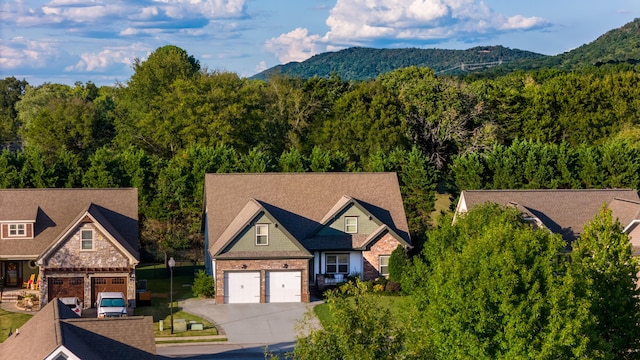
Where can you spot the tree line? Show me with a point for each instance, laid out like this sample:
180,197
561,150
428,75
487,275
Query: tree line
173,120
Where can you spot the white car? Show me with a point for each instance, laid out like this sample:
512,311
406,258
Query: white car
73,303
111,304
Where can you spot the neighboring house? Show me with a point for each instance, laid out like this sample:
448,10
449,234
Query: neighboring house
56,333
564,212
73,242
269,237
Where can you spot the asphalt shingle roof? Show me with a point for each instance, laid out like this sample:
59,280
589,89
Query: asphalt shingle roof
561,211
300,201
53,210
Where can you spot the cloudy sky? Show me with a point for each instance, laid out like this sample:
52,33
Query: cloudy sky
64,41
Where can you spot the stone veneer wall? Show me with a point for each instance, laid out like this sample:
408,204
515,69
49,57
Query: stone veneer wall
104,255
384,246
263,266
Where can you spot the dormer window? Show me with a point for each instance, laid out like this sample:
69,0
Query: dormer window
262,234
351,224
17,230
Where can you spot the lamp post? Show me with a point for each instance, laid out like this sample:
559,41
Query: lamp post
172,263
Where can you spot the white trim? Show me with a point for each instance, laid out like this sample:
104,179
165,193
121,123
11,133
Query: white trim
62,350
75,226
82,239
347,225
380,264
260,234
337,263
626,228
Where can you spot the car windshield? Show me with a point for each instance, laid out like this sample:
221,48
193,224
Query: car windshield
112,302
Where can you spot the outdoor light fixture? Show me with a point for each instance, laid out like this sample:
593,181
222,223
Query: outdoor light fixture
286,266
244,266
171,263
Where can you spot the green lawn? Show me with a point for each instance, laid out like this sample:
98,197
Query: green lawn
395,304
158,282
11,320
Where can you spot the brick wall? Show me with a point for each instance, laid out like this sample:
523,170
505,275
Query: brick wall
263,266
384,246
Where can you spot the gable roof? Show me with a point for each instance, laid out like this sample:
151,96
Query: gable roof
94,215
251,211
55,325
57,209
300,201
562,211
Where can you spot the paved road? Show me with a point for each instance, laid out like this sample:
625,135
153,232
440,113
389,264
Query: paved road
248,327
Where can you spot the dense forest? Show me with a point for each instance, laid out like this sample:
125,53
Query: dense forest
173,121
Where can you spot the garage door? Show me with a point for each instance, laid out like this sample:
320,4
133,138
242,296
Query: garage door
242,287
284,286
102,284
66,287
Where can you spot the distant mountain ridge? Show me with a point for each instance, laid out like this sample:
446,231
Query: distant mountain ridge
357,63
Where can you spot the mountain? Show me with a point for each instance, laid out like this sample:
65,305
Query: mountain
621,45
359,63
616,46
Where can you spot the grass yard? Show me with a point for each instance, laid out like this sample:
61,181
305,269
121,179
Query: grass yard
159,283
395,304
11,321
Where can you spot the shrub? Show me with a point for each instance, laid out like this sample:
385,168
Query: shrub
392,286
203,285
397,263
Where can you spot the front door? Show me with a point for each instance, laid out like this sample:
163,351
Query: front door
12,273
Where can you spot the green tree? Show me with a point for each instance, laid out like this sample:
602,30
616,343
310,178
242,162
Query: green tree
359,328
12,90
604,264
493,292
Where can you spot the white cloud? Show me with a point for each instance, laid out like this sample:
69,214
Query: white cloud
361,22
21,52
102,60
296,45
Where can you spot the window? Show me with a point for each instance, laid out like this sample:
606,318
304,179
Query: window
337,264
17,230
351,224
383,263
87,240
262,234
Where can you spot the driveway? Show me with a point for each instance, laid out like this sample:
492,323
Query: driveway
267,324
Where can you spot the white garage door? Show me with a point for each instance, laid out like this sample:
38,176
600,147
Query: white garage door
241,287
284,286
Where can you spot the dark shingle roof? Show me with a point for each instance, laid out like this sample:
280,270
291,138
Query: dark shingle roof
300,201
54,210
56,325
561,211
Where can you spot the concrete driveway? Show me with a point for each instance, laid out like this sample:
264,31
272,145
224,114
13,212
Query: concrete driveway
267,324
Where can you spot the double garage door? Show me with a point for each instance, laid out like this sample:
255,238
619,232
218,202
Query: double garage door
244,287
74,286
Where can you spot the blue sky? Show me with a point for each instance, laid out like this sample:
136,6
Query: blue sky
64,41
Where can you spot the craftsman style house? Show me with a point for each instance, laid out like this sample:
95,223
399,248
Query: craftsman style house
564,212
269,237
69,242
56,333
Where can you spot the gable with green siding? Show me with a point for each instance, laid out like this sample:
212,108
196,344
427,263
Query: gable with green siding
366,224
277,239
